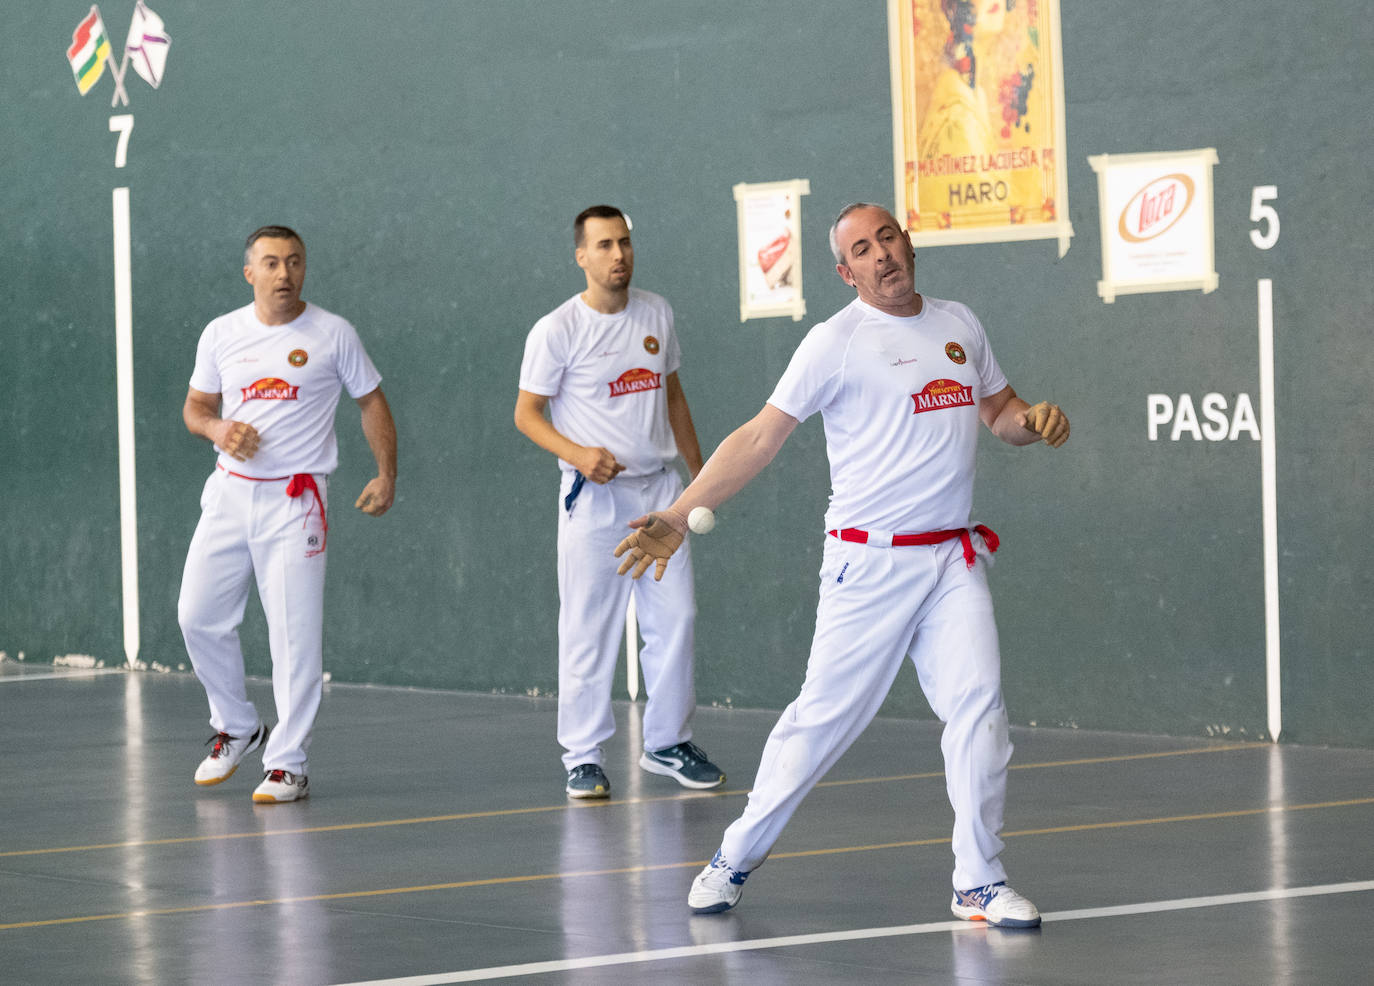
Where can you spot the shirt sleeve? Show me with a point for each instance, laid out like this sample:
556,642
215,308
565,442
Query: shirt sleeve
205,376
541,371
812,378
990,374
356,372
672,357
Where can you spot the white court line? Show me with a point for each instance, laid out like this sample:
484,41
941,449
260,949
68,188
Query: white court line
14,679
124,393
759,944
1269,512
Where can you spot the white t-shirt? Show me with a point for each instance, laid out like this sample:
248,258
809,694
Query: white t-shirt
899,398
605,376
284,380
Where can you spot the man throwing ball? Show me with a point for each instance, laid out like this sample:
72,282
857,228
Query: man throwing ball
902,381
265,387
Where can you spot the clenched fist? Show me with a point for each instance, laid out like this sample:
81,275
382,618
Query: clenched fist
1047,421
238,440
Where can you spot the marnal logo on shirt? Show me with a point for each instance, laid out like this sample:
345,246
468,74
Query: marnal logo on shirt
940,394
271,389
636,380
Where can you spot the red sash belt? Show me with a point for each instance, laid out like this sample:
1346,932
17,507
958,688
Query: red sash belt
928,537
300,483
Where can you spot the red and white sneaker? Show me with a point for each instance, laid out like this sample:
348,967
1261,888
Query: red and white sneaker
997,904
281,786
225,755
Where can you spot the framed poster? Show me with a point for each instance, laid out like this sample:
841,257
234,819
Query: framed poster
978,121
770,273
1157,222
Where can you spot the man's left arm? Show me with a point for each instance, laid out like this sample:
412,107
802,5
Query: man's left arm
1018,423
379,428
680,419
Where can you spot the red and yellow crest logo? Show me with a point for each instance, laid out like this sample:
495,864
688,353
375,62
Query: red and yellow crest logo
635,381
940,394
651,345
271,389
956,353
297,357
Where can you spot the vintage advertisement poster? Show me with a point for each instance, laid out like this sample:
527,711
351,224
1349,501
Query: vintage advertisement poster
770,275
1156,222
978,120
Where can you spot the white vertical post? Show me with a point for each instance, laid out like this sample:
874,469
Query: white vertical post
632,649
1269,510
124,374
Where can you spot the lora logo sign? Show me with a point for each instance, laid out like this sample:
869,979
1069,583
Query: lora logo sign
1154,209
1219,420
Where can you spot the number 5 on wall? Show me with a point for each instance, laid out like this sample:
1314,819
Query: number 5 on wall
1262,212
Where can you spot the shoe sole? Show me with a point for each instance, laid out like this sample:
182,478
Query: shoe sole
588,795
267,799
654,767
720,908
217,780
1004,923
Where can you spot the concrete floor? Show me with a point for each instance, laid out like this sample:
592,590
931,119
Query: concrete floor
437,846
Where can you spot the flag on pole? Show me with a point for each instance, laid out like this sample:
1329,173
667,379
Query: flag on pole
89,52
147,45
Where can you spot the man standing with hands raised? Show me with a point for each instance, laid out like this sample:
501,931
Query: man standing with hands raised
264,390
902,382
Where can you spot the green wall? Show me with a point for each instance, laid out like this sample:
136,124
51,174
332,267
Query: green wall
433,155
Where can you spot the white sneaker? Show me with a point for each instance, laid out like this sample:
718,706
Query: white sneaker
225,755
716,888
281,786
997,904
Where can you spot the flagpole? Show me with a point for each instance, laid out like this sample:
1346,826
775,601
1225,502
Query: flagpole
117,73
124,375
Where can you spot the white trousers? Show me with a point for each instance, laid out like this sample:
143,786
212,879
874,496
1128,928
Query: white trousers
591,618
247,528
879,606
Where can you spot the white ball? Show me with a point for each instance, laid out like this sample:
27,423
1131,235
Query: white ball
701,520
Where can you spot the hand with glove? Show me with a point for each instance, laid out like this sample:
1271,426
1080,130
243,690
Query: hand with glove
656,537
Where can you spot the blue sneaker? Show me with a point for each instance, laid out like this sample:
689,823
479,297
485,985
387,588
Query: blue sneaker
587,780
686,763
716,888
997,904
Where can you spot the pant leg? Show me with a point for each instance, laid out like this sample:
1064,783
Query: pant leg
958,661
591,618
214,592
666,612
864,626
290,568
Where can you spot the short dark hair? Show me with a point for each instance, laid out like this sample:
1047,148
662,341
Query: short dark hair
593,212
271,232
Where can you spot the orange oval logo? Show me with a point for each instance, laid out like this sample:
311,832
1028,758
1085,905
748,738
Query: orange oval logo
955,352
1155,208
297,357
651,345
